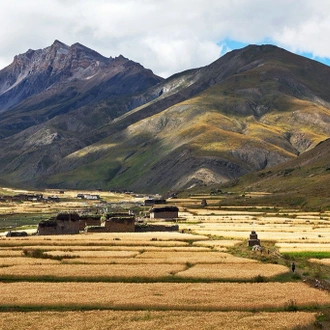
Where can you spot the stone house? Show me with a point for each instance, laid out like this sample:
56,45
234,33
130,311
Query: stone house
62,224
165,212
120,223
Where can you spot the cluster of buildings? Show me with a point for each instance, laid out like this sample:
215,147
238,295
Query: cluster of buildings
28,197
88,196
73,223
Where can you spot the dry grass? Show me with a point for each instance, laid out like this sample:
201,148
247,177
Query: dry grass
132,320
151,296
233,271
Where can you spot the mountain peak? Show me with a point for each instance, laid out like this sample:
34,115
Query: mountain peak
56,66
58,43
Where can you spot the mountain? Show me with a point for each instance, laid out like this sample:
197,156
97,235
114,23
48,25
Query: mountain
71,118
41,84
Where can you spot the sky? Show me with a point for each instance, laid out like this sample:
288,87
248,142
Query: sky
167,36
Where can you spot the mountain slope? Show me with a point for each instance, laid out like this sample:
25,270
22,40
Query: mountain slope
251,109
302,182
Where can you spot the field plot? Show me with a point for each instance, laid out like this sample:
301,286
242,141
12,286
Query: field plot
195,257
233,271
162,296
150,320
21,261
97,271
94,248
220,245
303,247
10,253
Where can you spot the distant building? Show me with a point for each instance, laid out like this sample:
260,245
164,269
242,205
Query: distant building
153,201
88,196
165,212
115,223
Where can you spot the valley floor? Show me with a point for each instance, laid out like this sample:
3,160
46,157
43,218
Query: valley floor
203,277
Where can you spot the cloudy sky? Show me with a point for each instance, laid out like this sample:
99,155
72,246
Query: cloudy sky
166,36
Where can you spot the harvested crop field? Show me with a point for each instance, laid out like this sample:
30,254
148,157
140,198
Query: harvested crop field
302,247
104,271
150,320
21,261
233,271
162,296
194,257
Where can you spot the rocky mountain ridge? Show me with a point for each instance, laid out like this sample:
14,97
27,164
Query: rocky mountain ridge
60,71
110,123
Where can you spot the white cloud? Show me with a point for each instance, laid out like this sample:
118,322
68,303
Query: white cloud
166,36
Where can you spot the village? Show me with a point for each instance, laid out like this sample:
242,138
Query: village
74,223
99,218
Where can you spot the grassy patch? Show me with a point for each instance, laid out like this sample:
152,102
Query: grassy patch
38,253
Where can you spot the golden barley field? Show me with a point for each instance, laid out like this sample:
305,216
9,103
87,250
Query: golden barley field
162,296
150,320
202,277
301,247
120,271
231,271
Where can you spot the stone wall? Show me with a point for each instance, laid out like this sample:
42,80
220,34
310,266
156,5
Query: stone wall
95,229
152,227
120,224
85,221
